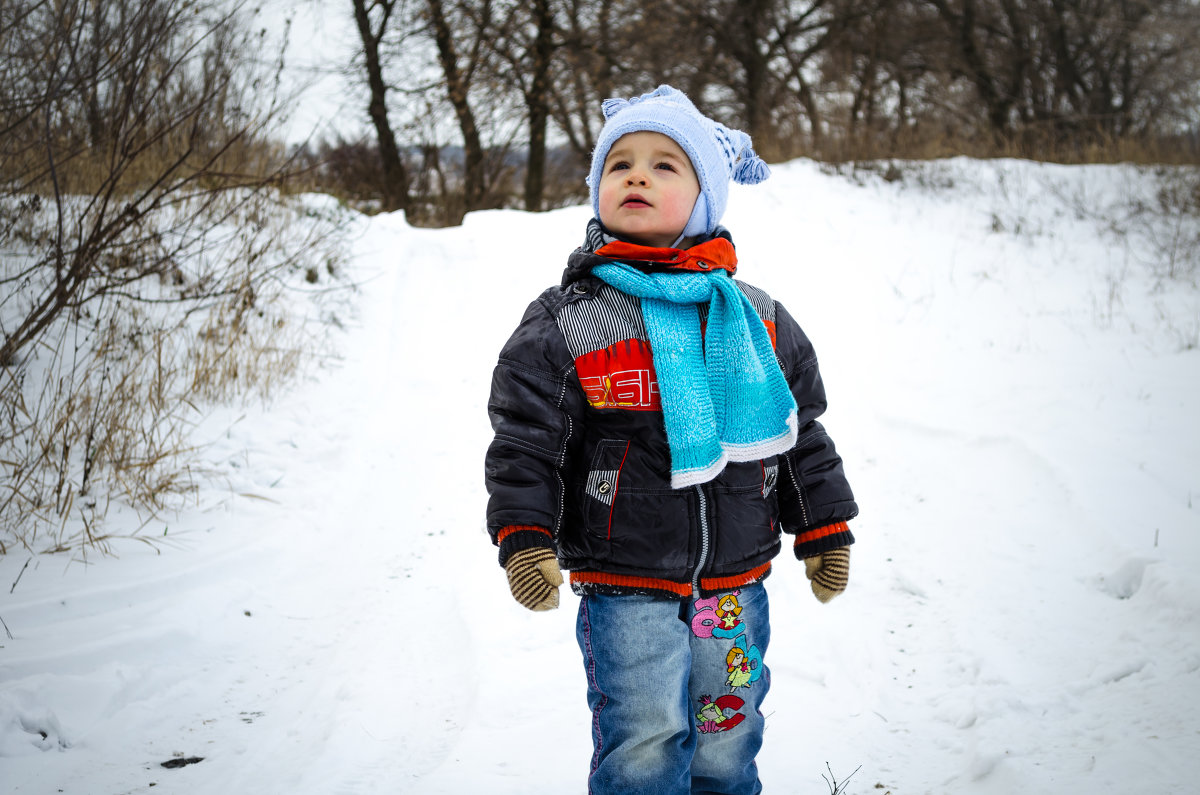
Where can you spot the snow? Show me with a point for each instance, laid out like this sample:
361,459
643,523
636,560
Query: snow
1012,386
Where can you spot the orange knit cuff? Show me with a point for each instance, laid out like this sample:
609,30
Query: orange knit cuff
505,532
810,536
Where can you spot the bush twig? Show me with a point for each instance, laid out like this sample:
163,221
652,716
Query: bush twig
838,787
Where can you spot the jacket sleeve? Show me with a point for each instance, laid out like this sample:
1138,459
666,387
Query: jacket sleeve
523,469
815,500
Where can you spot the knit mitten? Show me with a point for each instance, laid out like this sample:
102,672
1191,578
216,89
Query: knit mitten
534,577
829,572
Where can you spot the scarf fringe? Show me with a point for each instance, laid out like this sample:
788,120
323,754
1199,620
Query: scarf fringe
734,453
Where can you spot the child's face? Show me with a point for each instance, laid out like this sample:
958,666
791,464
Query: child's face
647,189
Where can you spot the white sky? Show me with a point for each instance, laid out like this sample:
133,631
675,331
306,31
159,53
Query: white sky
321,40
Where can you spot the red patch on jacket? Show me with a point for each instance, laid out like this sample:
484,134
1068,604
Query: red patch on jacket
620,376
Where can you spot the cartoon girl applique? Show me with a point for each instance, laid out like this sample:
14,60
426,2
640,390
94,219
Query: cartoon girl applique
712,718
710,715
739,669
728,611
718,617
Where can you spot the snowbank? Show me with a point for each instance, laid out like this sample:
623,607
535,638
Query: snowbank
1013,388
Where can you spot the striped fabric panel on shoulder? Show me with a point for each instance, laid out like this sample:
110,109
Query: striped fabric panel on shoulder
612,316
607,318
763,304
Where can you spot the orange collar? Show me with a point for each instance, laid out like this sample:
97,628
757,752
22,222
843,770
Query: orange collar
709,255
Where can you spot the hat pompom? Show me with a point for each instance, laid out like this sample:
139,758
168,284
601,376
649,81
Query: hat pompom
611,107
750,169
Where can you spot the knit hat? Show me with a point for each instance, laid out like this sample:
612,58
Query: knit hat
718,154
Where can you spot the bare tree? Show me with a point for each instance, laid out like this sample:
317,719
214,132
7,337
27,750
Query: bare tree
426,65
610,48
880,79
457,81
144,239
758,62
373,20
527,43
801,76
585,72
1074,70
537,100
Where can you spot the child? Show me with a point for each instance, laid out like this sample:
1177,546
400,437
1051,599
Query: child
655,430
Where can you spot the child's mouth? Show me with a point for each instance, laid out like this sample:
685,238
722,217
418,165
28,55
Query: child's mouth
635,202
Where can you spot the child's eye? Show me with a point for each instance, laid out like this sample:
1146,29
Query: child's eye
620,165
666,166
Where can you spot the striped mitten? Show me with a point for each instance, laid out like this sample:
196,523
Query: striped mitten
829,572
534,577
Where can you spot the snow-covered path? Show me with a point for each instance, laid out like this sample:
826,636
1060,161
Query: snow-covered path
1019,418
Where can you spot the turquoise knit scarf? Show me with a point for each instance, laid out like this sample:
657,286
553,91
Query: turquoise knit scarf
724,397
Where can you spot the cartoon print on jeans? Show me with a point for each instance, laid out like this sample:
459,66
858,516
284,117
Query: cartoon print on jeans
712,718
738,667
717,617
743,664
728,611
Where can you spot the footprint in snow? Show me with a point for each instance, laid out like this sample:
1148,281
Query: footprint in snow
1125,581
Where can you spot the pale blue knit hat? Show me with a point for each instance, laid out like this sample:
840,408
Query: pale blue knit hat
718,154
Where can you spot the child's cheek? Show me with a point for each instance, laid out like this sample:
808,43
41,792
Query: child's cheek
606,201
679,207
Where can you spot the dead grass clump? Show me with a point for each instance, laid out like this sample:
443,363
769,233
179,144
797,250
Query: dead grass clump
101,410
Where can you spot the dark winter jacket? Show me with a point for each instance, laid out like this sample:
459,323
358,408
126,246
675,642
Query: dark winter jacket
580,462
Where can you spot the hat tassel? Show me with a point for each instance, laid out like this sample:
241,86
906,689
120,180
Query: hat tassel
750,169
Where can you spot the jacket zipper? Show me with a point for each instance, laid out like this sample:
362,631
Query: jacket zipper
704,541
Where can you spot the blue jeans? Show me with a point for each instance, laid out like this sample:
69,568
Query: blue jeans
675,690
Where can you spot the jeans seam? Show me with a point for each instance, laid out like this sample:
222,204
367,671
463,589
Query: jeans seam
591,669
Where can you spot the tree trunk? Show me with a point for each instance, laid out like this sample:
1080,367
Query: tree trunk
538,103
745,41
394,174
457,86
962,30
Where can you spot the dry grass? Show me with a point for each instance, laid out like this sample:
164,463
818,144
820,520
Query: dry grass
101,411
148,262
1093,149
73,167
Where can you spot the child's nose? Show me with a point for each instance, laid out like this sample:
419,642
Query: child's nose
635,176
